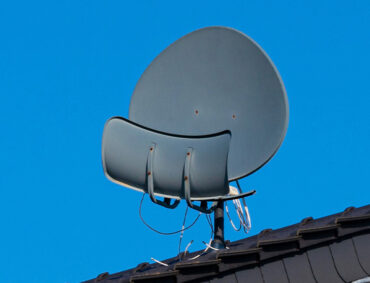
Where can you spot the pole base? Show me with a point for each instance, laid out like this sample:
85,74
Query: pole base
218,245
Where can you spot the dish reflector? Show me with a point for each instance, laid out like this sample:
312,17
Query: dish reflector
211,80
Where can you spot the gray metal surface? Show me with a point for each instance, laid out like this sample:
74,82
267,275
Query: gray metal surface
132,155
211,80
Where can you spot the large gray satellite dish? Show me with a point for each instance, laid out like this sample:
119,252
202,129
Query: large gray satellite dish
211,80
211,108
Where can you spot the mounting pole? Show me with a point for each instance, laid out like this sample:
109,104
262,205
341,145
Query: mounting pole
218,236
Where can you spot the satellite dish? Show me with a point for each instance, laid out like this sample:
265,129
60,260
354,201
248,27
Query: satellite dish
211,108
211,80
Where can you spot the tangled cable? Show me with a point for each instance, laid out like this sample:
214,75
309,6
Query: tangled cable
167,233
241,210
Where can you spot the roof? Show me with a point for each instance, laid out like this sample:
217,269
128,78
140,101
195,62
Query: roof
334,248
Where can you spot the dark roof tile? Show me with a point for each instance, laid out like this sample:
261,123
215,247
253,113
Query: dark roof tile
346,261
298,269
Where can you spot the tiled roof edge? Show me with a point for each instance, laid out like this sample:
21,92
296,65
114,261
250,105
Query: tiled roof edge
346,224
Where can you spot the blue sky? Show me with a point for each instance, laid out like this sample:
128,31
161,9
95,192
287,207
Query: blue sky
67,66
